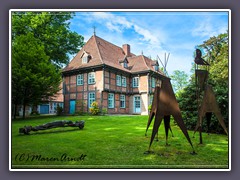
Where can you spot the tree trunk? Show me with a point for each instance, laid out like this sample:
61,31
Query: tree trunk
24,108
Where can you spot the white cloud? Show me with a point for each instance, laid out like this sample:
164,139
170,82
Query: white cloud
154,35
207,27
147,35
119,24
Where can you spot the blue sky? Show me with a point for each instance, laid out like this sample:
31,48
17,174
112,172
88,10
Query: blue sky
154,33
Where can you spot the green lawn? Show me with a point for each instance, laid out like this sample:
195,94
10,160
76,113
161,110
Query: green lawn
112,142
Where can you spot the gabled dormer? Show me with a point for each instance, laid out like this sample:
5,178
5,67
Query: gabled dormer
155,65
124,62
85,57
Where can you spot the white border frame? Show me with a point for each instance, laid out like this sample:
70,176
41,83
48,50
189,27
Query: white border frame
123,10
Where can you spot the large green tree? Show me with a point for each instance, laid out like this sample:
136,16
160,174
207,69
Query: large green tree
52,29
41,44
216,52
34,79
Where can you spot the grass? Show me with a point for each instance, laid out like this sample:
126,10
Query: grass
112,142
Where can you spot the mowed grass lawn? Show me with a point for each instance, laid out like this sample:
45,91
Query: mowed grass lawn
112,142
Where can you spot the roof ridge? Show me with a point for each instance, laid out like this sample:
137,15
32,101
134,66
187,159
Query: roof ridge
94,36
109,42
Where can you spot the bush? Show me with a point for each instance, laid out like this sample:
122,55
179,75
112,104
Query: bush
94,110
59,110
34,113
149,107
104,111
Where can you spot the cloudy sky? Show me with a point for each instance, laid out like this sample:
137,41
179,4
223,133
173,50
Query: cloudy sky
154,33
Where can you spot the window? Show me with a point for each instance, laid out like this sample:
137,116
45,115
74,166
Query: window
119,80
80,79
110,100
125,65
122,101
156,68
91,78
85,59
91,98
124,81
135,81
153,82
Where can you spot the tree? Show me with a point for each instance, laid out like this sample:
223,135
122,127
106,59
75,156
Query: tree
41,44
52,29
179,80
34,78
216,49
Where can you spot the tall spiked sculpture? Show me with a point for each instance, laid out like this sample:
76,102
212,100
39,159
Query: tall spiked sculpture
208,104
163,106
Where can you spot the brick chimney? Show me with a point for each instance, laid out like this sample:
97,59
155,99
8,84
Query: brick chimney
126,49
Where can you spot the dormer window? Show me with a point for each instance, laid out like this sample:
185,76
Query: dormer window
155,66
85,57
124,62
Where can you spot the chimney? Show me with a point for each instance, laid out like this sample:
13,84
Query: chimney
126,49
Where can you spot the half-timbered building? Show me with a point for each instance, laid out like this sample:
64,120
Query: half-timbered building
118,80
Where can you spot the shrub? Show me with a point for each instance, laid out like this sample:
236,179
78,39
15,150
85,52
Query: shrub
35,113
149,107
104,111
59,110
94,110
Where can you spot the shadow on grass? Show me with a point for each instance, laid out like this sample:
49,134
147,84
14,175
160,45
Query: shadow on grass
50,132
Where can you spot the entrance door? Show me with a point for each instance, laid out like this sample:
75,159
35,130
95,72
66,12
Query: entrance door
72,106
137,104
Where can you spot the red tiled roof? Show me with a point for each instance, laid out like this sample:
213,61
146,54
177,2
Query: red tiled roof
104,52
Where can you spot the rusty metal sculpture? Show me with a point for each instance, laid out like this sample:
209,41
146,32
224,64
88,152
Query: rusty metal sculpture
208,103
163,106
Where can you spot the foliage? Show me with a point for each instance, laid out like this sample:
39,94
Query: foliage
41,44
33,78
115,142
59,110
94,110
179,80
149,107
217,55
35,113
52,30
104,111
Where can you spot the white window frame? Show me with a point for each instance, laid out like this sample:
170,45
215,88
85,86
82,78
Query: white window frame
124,81
118,80
91,78
85,59
153,82
91,99
111,99
122,99
135,82
79,79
